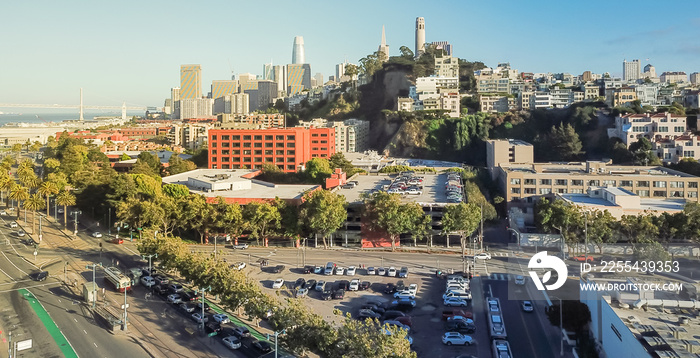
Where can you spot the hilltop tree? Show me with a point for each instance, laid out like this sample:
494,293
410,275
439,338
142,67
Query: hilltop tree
323,212
564,142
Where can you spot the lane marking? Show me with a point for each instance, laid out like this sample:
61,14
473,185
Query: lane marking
85,331
13,264
76,321
95,344
132,251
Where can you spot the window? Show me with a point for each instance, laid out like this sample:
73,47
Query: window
257,137
643,183
224,159
692,184
692,194
279,160
530,191
236,137
279,152
577,182
545,181
576,191
544,191
689,153
268,152
268,145
258,159
223,137
290,152
515,181
236,152
663,129
529,181
679,129
291,145
213,144
279,145
324,135
625,183
236,159
515,190
290,159
224,166
246,137
246,144
324,142
246,159
658,193
257,152
213,152
659,184
643,193
257,145
291,167
315,135
594,183
246,152
213,137
225,144
561,191
268,137
314,141
675,184
290,137
236,144
675,194
279,137
609,182
268,159
560,182
213,159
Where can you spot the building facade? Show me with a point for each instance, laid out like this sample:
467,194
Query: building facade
447,66
351,135
190,81
237,103
196,108
420,37
631,71
298,78
630,127
504,151
298,55
673,77
677,148
220,88
287,148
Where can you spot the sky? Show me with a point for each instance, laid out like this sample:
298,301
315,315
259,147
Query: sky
132,50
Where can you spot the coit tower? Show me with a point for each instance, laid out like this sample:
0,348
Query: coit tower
298,51
420,36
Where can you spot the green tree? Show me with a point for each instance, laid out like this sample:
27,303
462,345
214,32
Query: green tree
643,153
65,198
178,165
385,213
261,218
318,169
33,203
601,225
463,219
324,213
18,193
176,190
16,148
368,338
406,53
638,228
124,157
564,142
46,189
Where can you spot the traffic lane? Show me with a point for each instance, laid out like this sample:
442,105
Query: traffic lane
88,338
525,333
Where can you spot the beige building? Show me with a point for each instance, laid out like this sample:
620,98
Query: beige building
672,150
620,96
447,66
260,120
237,103
631,127
591,91
196,108
351,135
492,83
505,151
497,104
450,101
405,104
673,77
525,182
189,135
619,202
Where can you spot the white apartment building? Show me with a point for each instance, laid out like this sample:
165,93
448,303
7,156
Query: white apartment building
236,103
541,100
447,66
351,135
654,127
631,70
431,86
492,83
562,98
189,135
672,150
591,91
695,79
673,77
405,104
450,101
647,94
524,100
196,108
497,104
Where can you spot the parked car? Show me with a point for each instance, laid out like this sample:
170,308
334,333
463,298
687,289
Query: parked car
351,271
187,307
403,302
13,225
367,313
326,295
241,332
310,284
583,258
262,346
302,292
320,285
21,233
390,288
188,296
414,191
483,256
240,246
307,269
299,283
277,269
339,270
174,298
397,324
160,280
373,308
354,285
455,301
161,290
404,272
391,272
519,280
231,342
527,306
447,313
343,285
450,338
199,318
405,294
96,234
41,276
381,271
117,240
238,266
206,306
364,285
392,315
278,283
176,288
338,294
148,281
370,271
460,326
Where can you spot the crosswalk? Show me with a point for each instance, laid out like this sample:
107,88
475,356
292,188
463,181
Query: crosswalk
501,276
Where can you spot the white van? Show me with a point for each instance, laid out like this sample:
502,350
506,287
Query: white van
459,294
329,268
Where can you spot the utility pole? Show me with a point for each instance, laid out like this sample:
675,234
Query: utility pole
276,334
40,236
75,213
109,221
204,289
149,260
481,230
94,285
126,305
55,209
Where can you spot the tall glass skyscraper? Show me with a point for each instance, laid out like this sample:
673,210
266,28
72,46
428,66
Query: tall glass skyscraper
298,56
190,81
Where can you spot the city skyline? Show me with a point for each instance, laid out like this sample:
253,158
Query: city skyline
127,52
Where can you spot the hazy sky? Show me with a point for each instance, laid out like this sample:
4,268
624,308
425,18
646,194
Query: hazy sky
132,50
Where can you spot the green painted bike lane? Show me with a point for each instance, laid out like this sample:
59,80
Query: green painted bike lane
50,325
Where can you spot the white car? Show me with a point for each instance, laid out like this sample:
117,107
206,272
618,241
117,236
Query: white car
527,306
391,272
413,288
148,281
197,317
20,233
450,338
238,266
174,298
13,224
381,271
457,287
351,271
278,283
483,256
232,342
371,271
318,270
96,234
354,285
319,285
3,212
339,270
404,294
519,280
60,210
221,318
414,191
454,301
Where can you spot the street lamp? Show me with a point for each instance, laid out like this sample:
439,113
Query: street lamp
76,213
149,260
94,290
561,325
126,305
204,289
276,334
40,236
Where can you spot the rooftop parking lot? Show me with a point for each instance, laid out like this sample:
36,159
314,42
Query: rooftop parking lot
433,191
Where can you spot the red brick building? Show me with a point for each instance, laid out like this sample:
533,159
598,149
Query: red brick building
288,148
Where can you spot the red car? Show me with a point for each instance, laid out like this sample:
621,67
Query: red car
583,258
456,312
117,241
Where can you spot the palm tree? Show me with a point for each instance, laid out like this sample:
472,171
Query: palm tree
5,184
19,193
34,203
47,189
65,198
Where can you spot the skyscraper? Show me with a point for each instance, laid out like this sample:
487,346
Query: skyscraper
221,88
298,78
631,71
420,36
383,47
298,56
268,74
190,81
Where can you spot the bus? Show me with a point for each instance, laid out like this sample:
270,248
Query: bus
117,279
501,349
497,328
